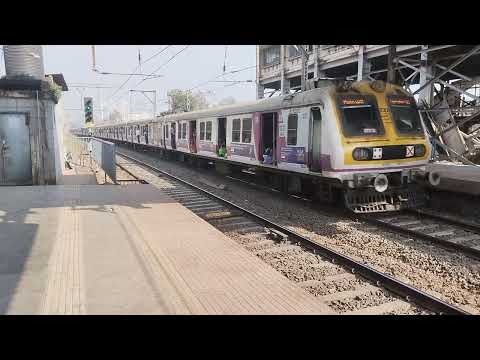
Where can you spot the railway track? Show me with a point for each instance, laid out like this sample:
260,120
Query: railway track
445,231
346,285
127,176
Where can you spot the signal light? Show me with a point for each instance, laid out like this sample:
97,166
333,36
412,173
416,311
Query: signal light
88,108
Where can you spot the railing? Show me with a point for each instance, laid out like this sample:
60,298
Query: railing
100,151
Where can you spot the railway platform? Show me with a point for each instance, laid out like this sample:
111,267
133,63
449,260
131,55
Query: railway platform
109,249
457,177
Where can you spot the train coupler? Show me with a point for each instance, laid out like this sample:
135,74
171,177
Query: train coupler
370,201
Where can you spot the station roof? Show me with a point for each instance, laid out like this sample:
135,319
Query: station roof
59,80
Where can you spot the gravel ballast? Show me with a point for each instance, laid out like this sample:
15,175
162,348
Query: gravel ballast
445,274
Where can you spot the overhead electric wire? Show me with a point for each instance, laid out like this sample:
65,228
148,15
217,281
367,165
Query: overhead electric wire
225,59
134,71
223,74
201,84
165,63
165,100
147,78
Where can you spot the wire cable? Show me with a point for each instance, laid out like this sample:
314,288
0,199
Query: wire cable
134,71
173,57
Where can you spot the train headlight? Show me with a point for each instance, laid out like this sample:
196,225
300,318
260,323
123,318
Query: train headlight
381,183
361,154
420,150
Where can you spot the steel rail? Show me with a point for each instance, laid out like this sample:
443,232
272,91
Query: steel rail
135,178
397,287
471,252
462,224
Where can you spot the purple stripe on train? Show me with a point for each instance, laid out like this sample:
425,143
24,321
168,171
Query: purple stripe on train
207,146
293,155
241,150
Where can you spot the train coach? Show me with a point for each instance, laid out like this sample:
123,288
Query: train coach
363,141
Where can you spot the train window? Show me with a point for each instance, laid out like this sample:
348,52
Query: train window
236,130
208,131
247,130
184,131
405,116
271,55
360,117
202,131
292,129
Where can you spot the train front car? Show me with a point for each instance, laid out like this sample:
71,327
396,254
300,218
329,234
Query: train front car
383,147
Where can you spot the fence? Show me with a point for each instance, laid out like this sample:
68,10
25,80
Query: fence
102,152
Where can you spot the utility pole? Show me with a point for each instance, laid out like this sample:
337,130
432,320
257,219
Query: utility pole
94,66
139,61
153,102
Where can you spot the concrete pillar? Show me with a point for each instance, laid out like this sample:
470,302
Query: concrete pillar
286,86
260,91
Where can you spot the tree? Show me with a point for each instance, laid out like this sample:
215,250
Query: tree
227,101
184,100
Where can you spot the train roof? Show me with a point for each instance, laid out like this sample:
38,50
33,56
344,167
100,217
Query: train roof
304,98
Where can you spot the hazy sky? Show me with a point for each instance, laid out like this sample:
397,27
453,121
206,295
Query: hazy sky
196,64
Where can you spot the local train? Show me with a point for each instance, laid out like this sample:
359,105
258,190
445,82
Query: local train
362,141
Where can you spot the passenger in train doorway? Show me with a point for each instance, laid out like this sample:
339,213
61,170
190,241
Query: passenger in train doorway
193,141
137,134
222,151
267,156
172,136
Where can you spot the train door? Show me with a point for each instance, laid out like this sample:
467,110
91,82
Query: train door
315,139
222,135
192,136
173,132
269,138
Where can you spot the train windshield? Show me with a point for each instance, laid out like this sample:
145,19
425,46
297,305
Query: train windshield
405,116
360,117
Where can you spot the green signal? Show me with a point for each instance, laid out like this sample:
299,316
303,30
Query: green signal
88,108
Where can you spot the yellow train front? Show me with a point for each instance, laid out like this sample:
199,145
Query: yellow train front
382,147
